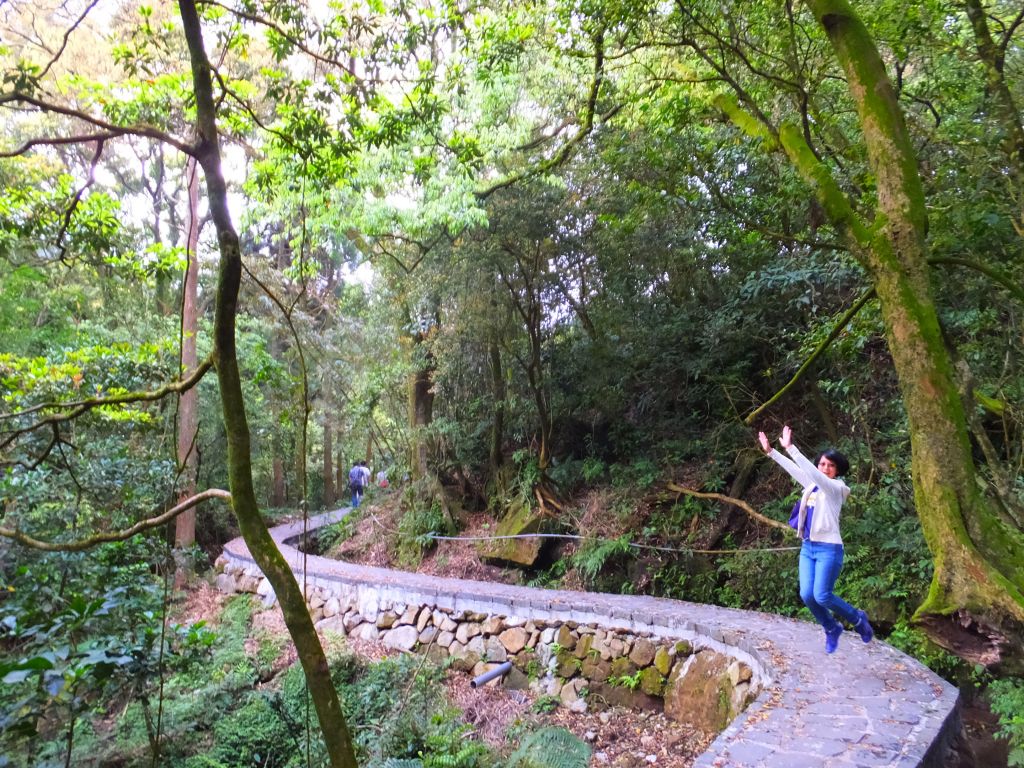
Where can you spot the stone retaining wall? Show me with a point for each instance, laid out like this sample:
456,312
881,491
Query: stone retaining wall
585,666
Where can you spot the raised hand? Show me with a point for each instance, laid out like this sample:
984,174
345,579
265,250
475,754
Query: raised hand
765,445
787,437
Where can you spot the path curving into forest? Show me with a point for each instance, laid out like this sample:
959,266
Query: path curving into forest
866,706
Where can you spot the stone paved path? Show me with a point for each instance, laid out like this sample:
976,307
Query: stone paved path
866,706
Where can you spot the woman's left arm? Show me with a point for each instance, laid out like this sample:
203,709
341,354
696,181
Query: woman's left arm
817,476
820,478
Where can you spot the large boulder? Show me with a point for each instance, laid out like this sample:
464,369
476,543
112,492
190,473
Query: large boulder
519,519
699,692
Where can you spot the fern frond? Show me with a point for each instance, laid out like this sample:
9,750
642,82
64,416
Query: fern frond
551,748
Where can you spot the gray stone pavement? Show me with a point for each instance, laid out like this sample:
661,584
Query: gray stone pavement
865,706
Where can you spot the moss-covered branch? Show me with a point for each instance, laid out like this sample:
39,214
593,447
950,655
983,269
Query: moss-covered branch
80,407
587,126
818,351
987,270
817,175
107,537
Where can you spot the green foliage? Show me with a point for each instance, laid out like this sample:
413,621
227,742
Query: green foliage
415,528
528,474
915,643
550,748
641,473
110,645
1007,701
766,581
546,704
551,577
594,555
593,469
410,725
632,682
257,733
330,536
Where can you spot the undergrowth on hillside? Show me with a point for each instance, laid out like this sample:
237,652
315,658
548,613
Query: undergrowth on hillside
225,708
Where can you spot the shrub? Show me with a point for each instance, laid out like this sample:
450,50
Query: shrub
1007,698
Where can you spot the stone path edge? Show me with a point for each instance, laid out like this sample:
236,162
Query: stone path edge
867,706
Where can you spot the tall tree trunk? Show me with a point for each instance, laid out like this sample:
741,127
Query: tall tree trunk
253,528
340,476
421,393
535,377
188,413
498,391
978,563
421,411
528,304
164,302
277,486
329,493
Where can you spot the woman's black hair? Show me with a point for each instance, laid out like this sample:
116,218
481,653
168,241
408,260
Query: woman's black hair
842,463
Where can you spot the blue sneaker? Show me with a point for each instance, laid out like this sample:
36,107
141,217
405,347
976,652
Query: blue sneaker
863,628
832,638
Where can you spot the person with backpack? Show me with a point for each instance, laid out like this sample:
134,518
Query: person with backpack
816,519
356,483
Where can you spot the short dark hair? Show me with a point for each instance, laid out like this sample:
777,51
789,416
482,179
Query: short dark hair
842,463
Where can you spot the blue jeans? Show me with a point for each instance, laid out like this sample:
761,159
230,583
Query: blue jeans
820,565
357,495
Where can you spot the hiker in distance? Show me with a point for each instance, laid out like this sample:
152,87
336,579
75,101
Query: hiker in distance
816,519
357,482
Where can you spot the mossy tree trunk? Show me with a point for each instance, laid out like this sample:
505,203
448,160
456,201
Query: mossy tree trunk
328,463
253,529
188,401
499,393
979,561
421,390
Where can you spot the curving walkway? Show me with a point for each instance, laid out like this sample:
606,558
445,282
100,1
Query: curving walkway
866,706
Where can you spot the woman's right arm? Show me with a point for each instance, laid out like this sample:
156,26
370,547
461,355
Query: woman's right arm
783,461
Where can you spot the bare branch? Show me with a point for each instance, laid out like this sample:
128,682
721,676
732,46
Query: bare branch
30,466
227,91
1004,43
736,503
127,533
69,212
67,36
57,141
148,131
269,24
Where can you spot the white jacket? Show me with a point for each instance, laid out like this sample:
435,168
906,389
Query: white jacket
828,502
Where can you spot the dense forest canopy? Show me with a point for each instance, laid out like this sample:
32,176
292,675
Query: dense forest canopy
506,252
